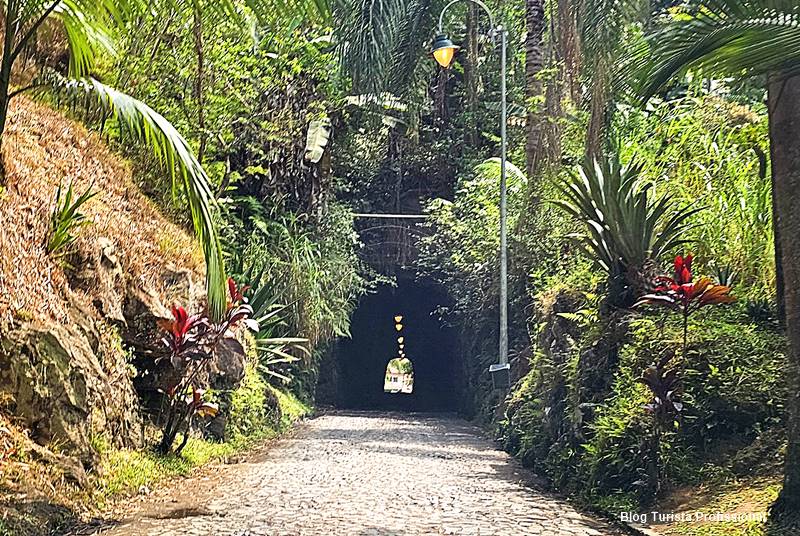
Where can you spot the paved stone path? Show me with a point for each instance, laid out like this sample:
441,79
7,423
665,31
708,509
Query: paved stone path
366,474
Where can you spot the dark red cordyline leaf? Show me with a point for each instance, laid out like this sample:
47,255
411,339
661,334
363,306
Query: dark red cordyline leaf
686,275
666,284
179,326
683,269
232,289
239,313
716,294
197,395
236,294
684,295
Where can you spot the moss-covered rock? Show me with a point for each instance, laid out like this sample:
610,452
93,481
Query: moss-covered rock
67,391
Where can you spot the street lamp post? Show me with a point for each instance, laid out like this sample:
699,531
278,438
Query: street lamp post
444,51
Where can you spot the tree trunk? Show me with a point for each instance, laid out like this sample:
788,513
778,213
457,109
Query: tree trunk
569,48
471,77
6,63
597,113
784,127
198,82
534,62
780,290
4,85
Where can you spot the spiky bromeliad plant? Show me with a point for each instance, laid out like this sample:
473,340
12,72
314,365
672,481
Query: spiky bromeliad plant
626,226
192,341
66,218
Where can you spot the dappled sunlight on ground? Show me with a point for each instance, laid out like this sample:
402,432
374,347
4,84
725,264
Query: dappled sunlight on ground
366,473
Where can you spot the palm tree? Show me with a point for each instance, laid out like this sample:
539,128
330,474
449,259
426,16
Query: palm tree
586,38
381,42
602,25
534,63
754,37
89,25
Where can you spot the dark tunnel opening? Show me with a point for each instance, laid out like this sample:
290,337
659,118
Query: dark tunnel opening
432,347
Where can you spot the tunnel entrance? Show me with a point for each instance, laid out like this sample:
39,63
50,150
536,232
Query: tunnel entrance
398,323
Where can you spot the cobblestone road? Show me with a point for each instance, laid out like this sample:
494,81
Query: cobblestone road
365,474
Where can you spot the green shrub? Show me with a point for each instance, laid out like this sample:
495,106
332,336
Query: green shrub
258,411
529,416
735,380
733,388
618,457
255,410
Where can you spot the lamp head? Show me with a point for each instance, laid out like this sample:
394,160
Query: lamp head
444,50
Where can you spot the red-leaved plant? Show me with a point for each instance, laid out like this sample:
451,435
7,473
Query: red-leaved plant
682,294
192,341
685,296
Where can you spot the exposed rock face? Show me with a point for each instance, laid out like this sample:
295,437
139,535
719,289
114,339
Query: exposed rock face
58,383
227,366
226,372
100,270
71,381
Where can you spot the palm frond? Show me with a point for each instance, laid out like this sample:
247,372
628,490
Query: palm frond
602,24
173,151
88,25
720,37
411,41
266,11
380,41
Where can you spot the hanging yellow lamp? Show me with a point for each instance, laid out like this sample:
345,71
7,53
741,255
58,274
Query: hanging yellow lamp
444,50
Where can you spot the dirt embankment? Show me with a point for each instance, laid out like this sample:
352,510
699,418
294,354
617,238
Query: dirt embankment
69,325
42,150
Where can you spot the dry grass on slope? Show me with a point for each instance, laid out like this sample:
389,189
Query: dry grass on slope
43,149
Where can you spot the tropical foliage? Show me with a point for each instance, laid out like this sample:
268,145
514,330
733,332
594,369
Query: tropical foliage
643,132
66,219
626,227
685,296
192,341
720,37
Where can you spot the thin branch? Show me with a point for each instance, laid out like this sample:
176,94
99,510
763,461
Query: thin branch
24,89
29,34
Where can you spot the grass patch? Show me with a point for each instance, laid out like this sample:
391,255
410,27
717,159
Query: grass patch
751,497
291,406
125,472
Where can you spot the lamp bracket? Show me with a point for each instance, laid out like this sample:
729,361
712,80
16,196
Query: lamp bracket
476,2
